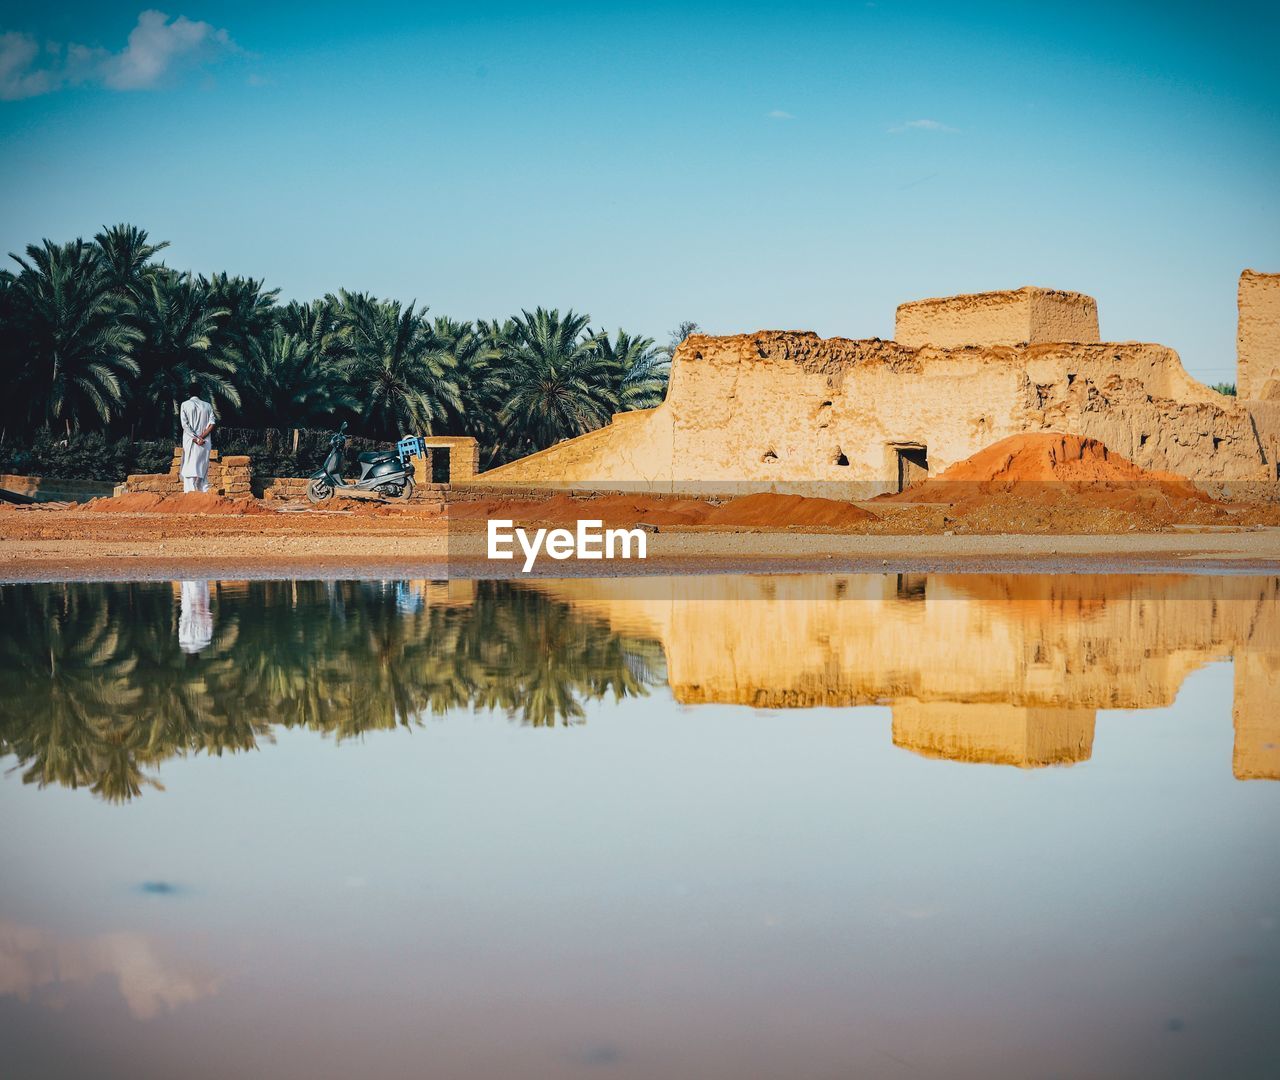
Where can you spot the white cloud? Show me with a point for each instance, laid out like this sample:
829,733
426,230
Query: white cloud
924,125
779,114
156,45
18,79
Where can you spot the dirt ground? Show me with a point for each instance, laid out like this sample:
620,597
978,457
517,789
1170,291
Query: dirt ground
1038,498
43,544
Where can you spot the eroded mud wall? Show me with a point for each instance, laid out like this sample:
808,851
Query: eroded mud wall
795,412
1258,337
1012,317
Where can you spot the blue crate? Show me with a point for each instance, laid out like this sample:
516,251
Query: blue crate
410,446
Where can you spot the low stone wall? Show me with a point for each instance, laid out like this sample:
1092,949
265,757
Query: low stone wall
52,489
230,476
294,489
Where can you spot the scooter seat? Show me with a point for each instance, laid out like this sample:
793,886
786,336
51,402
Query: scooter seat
372,456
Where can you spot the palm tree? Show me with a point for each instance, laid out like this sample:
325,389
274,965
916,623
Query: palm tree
178,325
639,368
76,347
12,356
477,355
559,382
401,378
287,382
250,316
319,325
126,256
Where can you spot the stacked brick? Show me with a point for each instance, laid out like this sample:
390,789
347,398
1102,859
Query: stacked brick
170,483
236,481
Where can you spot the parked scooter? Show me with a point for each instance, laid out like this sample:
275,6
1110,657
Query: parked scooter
384,474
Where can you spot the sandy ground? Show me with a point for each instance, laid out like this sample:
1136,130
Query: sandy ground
1040,501
47,544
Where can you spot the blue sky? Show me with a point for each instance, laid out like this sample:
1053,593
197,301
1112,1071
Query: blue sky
791,166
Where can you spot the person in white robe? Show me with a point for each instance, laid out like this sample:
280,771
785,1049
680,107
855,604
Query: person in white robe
197,430
195,620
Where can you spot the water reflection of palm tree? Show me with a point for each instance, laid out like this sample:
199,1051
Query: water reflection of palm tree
95,686
64,682
541,661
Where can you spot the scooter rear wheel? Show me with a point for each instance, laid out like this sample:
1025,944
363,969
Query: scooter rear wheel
405,493
319,491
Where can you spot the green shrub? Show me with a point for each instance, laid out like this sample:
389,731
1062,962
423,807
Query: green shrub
91,456
84,456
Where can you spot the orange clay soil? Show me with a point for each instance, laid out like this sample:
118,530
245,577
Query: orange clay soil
750,511
195,502
1028,484
1069,484
1049,458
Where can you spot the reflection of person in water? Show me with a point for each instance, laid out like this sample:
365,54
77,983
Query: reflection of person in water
195,620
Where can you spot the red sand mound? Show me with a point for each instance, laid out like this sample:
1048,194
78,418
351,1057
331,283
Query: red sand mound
777,511
755,511
1050,482
196,502
1045,465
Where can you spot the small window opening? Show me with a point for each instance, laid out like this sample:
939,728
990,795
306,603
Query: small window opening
1216,442
1071,378
841,458
770,456
1142,440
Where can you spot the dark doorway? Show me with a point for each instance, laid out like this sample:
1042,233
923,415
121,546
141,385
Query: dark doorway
913,465
439,464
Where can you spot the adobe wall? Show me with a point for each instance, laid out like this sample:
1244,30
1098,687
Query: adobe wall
1010,317
781,410
1258,337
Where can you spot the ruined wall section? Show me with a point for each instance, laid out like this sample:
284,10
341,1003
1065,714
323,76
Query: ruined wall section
1138,400
786,409
1258,337
1011,317
796,413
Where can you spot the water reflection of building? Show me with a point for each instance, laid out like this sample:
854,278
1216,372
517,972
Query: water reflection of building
994,733
994,668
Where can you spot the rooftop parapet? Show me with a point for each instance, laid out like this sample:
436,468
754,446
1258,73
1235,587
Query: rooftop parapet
1025,316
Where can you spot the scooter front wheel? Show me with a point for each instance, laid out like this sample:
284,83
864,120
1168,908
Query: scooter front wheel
319,491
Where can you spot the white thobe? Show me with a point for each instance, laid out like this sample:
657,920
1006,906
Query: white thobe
196,416
195,620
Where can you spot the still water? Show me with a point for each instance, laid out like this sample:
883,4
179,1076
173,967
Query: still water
880,825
